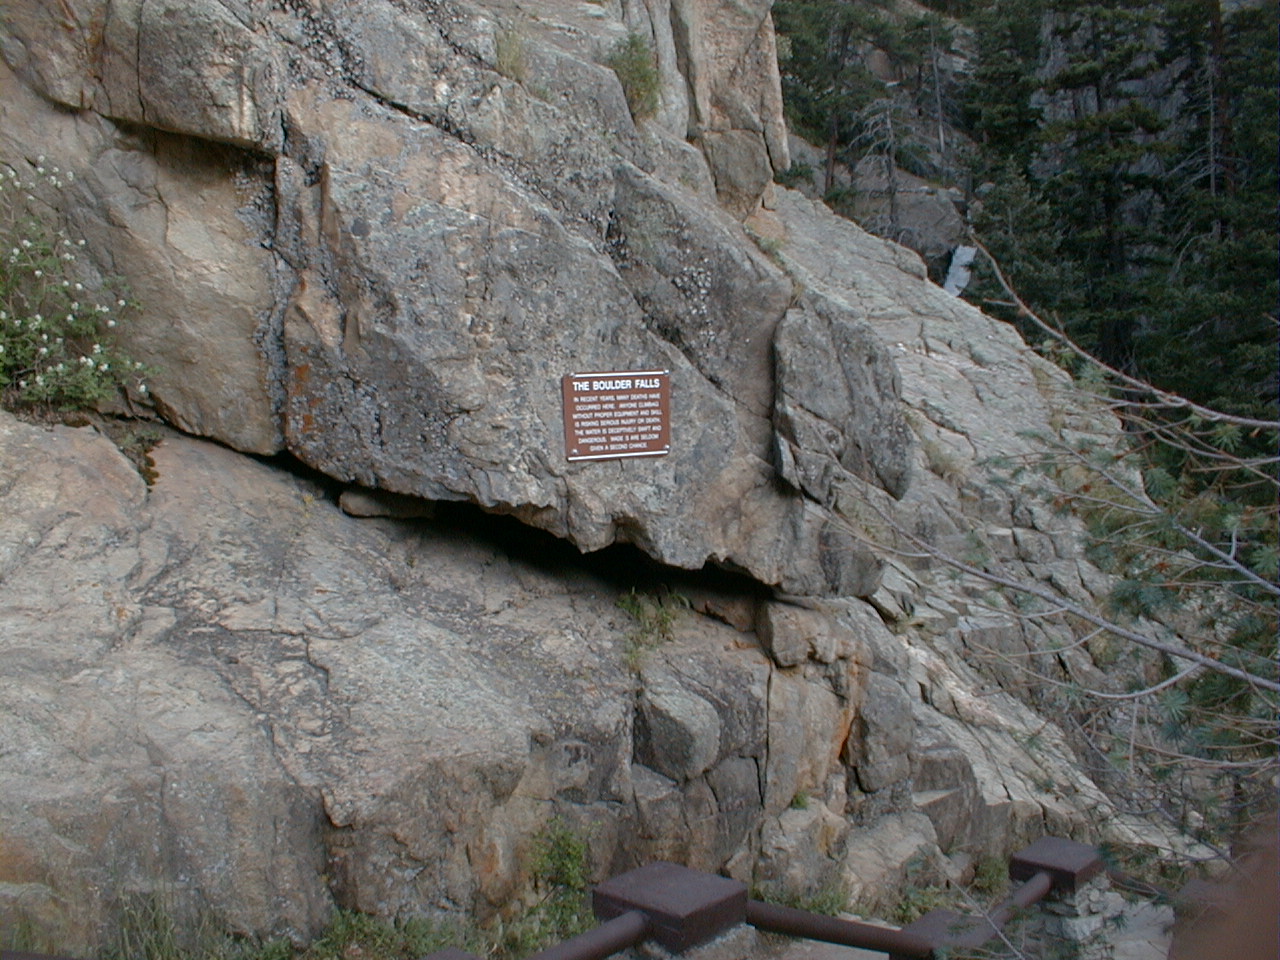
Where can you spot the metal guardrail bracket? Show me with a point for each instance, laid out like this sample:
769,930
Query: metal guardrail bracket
1070,864
685,907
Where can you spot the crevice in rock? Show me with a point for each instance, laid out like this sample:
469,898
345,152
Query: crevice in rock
621,565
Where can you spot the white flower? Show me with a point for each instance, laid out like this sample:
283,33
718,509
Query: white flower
38,273
25,244
111,323
121,303
43,351
142,388
79,287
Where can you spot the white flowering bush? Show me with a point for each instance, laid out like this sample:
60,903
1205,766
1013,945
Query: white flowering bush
57,333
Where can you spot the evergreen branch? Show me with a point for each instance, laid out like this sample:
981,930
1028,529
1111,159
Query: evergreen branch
1066,606
1167,400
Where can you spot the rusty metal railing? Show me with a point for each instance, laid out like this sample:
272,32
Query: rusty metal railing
935,932
612,936
847,933
682,908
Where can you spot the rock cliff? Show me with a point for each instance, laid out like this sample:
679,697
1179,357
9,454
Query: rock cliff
370,239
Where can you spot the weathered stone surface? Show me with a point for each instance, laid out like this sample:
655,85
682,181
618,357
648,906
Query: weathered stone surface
837,408
800,851
740,162
731,66
793,634
125,783
736,785
882,755
456,209
809,723
740,942
193,68
877,859
263,693
278,707
376,235
701,286
395,292
679,732
175,219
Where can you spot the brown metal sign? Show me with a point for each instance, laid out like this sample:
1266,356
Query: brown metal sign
620,414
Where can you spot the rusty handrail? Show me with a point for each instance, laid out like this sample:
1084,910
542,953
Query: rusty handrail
848,933
948,930
1031,892
625,930
681,908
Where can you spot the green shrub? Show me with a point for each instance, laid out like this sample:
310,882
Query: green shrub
57,336
829,899
560,867
353,934
633,60
795,175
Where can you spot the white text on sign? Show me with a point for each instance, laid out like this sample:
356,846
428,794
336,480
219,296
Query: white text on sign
608,415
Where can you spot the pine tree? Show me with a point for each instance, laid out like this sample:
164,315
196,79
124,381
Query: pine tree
825,79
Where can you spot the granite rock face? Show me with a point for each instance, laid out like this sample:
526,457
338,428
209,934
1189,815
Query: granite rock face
377,236
224,690
373,237
266,706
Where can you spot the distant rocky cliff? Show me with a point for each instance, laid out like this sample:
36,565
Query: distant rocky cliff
374,236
